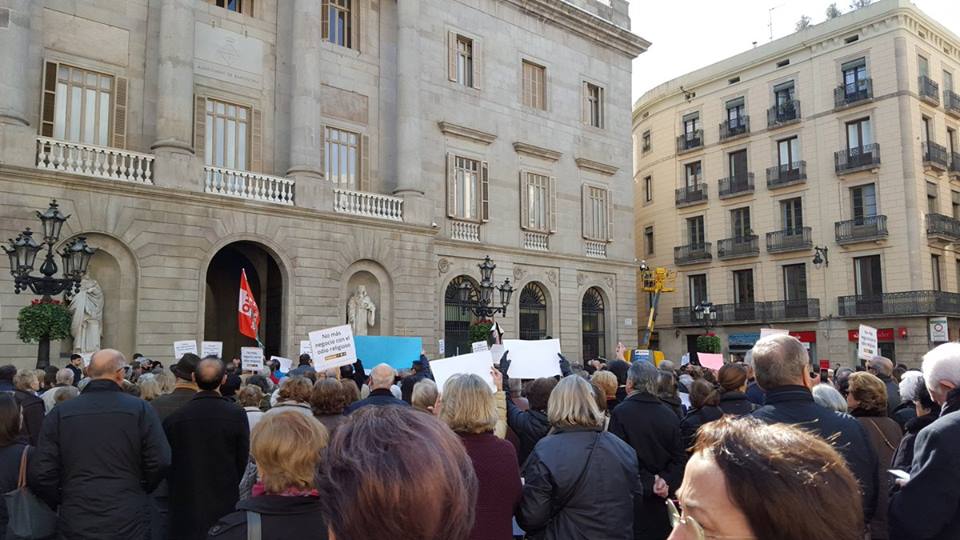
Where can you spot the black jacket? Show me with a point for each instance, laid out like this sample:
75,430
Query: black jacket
755,394
736,404
281,518
903,413
694,419
9,476
794,405
378,398
77,373
210,442
99,455
600,507
903,458
168,404
407,384
529,425
893,393
33,412
928,506
675,405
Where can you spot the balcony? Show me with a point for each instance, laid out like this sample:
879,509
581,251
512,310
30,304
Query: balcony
370,205
863,229
935,157
798,239
692,253
783,114
787,174
737,127
738,247
919,303
736,185
536,241
690,195
856,159
929,90
248,185
689,142
943,228
951,103
954,166
847,95
754,313
595,250
94,161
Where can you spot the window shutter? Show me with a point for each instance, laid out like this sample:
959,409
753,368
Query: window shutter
451,186
323,151
364,164
584,210
256,141
355,26
199,126
524,200
552,201
610,216
120,113
526,90
477,63
452,56
601,105
325,20
484,193
47,106
584,103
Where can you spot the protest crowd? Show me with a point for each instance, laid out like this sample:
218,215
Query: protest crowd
606,449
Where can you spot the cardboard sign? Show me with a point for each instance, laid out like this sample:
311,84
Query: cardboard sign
533,359
764,332
867,343
181,348
333,347
398,352
305,347
211,348
285,363
938,330
480,346
251,358
478,363
711,361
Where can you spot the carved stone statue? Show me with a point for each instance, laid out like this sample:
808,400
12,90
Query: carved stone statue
87,308
361,311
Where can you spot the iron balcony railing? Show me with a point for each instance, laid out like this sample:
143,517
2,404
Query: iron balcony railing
737,247
929,89
690,141
753,312
694,194
796,239
954,163
692,253
951,102
899,303
736,185
787,174
850,94
734,127
861,229
935,155
943,227
783,113
860,157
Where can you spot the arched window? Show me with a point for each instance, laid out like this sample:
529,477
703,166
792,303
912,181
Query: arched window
533,312
594,325
456,320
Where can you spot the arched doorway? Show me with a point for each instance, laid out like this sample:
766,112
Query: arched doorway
533,312
594,325
223,287
456,320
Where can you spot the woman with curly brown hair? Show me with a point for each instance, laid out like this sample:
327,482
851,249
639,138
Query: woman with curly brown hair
328,401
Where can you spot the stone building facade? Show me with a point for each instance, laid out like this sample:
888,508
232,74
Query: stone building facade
810,184
322,145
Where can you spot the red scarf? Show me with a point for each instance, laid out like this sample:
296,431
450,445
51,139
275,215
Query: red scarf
259,490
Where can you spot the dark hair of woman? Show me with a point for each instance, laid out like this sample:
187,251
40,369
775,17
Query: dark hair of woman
327,397
702,394
9,420
731,377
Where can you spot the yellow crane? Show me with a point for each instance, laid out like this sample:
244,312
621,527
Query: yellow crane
654,281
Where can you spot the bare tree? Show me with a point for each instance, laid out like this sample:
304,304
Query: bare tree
857,4
804,22
833,12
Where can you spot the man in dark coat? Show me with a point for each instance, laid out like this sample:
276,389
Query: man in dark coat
210,443
381,379
98,456
882,367
783,369
7,373
184,390
928,505
653,430
76,366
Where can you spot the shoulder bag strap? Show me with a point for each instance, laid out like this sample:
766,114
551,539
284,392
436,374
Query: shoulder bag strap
254,531
882,435
22,478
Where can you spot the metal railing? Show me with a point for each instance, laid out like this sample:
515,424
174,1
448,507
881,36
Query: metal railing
248,185
690,141
594,249
694,194
753,312
945,227
693,253
850,94
796,239
466,231
861,229
951,102
96,161
783,113
935,155
734,128
737,247
736,185
786,174
899,303
860,157
954,163
929,89
364,204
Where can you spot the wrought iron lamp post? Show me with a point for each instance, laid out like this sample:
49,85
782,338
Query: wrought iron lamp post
705,313
483,307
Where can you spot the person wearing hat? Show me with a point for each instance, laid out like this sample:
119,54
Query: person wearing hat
184,389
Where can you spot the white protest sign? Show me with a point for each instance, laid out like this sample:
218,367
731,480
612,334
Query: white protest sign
867,343
764,332
333,347
480,346
181,348
285,363
441,348
496,353
211,348
86,358
251,358
533,359
305,347
478,363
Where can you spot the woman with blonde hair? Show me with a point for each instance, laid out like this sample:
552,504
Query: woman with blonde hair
27,384
149,387
424,395
608,382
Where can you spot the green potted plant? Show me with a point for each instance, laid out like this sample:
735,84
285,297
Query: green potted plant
709,344
43,321
480,331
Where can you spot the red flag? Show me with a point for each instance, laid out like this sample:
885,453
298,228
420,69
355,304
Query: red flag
248,313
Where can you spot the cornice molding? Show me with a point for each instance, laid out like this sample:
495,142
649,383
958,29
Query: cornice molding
475,135
596,166
537,151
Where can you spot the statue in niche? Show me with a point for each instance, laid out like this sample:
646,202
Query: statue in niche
361,311
87,323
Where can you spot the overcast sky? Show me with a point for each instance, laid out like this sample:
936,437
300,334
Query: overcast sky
690,34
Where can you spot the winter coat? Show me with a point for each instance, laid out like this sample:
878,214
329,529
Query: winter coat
33,411
928,506
903,413
893,393
529,425
378,398
885,437
554,507
168,404
281,518
903,457
755,394
675,405
736,404
210,439
9,476
495,464
98,456
694,419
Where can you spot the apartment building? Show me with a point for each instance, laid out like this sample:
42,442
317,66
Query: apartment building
810,184
325,145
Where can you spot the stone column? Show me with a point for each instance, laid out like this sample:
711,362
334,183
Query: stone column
176,165
17,144
306,139
911,183
410,174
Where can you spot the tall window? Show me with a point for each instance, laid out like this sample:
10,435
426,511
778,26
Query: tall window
594,325
738,164
646,141
923,65
855,77
697,284
537,202
783,94
859,134
735,113
935,264
864,201
342,153
952,141
925,133
933,206
466,188
648,189
947,80
594,104
692,174
337,22
465,61
456,320
791,214
794,282
740,223
648,239
81,105
227,135
239,6
695,232
534,85
743,286
788,153
533,312
597,211
955,204
691,124
867,276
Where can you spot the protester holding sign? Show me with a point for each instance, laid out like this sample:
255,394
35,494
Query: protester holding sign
532,424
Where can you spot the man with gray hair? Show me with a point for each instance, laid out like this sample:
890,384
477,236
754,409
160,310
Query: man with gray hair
63,378
882,367
783,369
653,430
928,505
382,378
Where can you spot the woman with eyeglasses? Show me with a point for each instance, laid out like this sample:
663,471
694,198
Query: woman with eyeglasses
775,481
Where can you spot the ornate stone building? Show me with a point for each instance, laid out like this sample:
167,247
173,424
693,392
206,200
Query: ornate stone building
322,145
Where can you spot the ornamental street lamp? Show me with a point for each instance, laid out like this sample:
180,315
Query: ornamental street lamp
482,307
820,257
706,314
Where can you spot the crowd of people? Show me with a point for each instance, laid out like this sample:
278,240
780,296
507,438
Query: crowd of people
763,449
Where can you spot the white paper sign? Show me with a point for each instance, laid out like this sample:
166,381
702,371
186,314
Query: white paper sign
938,330
285,363
181,348
441,347
305,347
478,363
496,353
764,332
251,358
867,344
86,358
333,347
480,346
211,348
533,359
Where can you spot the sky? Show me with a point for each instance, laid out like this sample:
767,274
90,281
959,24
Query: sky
690,34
